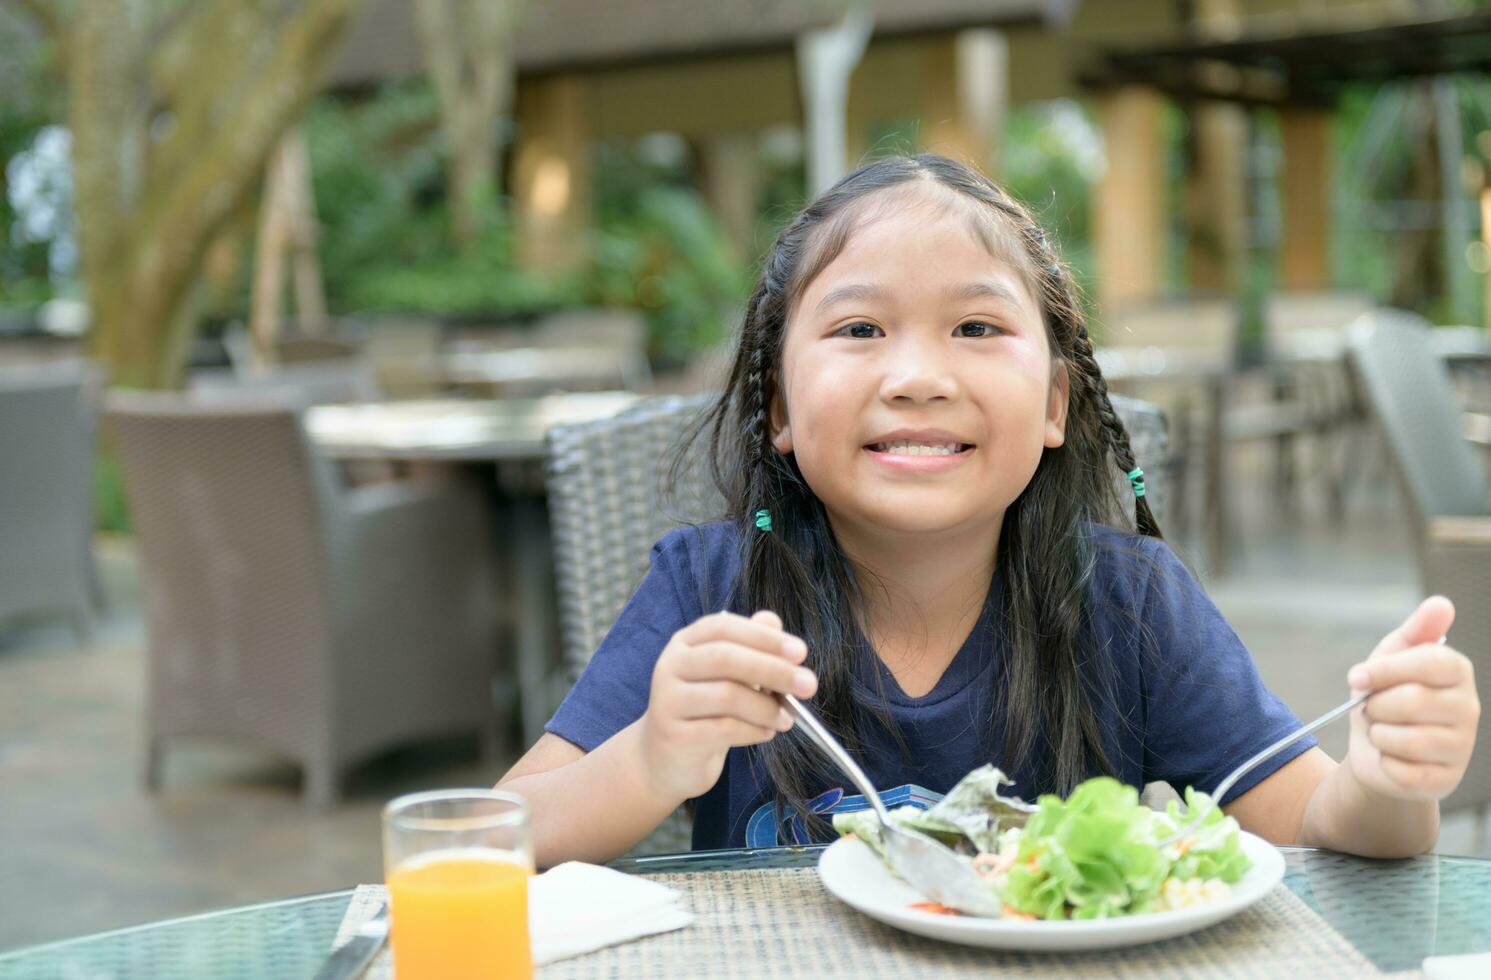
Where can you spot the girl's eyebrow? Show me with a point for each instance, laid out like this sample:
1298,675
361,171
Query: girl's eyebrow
983,290
862,292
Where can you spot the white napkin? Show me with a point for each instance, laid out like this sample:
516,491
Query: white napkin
1470,966
574,908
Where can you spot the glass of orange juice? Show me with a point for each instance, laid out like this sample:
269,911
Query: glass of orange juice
457,864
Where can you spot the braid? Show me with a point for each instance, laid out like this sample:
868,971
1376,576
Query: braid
1061,292
756,436
1115,434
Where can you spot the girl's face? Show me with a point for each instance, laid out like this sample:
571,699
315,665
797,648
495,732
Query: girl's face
917,386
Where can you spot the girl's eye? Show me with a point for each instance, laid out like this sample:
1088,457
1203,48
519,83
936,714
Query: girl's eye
976,330
859,331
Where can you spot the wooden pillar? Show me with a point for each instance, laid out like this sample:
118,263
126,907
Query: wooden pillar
1216,187
1216,201
1304,198
1128,204
551,172
964,96
731,182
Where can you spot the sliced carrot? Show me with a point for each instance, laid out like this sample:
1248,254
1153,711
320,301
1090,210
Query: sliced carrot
936,908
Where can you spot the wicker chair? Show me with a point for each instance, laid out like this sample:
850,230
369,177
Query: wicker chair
601,553
326,623
46,492
1407,389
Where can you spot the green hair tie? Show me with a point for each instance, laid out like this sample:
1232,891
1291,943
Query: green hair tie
763,520
1136,480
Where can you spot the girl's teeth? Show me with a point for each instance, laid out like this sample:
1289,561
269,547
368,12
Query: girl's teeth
919,448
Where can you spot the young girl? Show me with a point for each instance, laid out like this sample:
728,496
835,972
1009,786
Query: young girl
917,450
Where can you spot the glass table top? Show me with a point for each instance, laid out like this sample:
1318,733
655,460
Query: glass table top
1394,912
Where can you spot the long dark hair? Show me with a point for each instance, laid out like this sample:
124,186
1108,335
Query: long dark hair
1053,679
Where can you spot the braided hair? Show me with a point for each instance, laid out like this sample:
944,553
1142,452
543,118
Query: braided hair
1054,679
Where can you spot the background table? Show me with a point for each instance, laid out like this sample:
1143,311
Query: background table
1394,913
509,434
455,429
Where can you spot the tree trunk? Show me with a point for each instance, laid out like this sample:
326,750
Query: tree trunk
468,54
171,130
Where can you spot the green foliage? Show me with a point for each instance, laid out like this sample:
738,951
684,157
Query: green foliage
483,281
669,258
375,170
109,510
379,181
23,266
385,244
1046,157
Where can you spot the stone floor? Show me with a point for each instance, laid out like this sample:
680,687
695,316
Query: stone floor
83,848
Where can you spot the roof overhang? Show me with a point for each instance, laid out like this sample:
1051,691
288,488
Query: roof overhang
1306,68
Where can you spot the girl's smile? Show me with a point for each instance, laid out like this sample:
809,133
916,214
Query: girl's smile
920,450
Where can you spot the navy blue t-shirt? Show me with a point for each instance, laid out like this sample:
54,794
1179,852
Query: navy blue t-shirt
1187,705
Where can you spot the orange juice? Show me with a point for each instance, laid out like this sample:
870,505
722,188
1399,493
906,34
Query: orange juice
460,913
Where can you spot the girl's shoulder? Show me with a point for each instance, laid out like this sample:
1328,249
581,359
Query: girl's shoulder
704,558
698,543
1129,567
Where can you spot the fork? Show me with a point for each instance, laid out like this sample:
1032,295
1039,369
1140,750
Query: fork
928,865
1246,767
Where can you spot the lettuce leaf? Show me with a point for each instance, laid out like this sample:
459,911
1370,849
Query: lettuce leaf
969,818
978,810
1211,850
1092,856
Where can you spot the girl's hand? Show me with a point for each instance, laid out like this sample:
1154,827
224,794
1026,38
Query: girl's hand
712,690
1413,737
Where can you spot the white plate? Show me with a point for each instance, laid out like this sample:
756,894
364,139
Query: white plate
854,875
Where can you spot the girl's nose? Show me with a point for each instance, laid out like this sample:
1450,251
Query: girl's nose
918,373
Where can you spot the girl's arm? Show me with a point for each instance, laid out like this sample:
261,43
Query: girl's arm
587,806
1410,744
711,691
1313,800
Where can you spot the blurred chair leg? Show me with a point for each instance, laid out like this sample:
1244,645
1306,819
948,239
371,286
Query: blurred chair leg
83,624
96,594
1216,514
534,639
322,785
151,770
1286,475
1182,454
491,741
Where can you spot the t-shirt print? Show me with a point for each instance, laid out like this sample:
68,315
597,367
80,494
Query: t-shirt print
762,829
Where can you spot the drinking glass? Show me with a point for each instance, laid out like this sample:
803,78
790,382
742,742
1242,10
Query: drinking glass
457,864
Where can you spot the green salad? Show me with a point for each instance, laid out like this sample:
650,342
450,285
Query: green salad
1094,855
